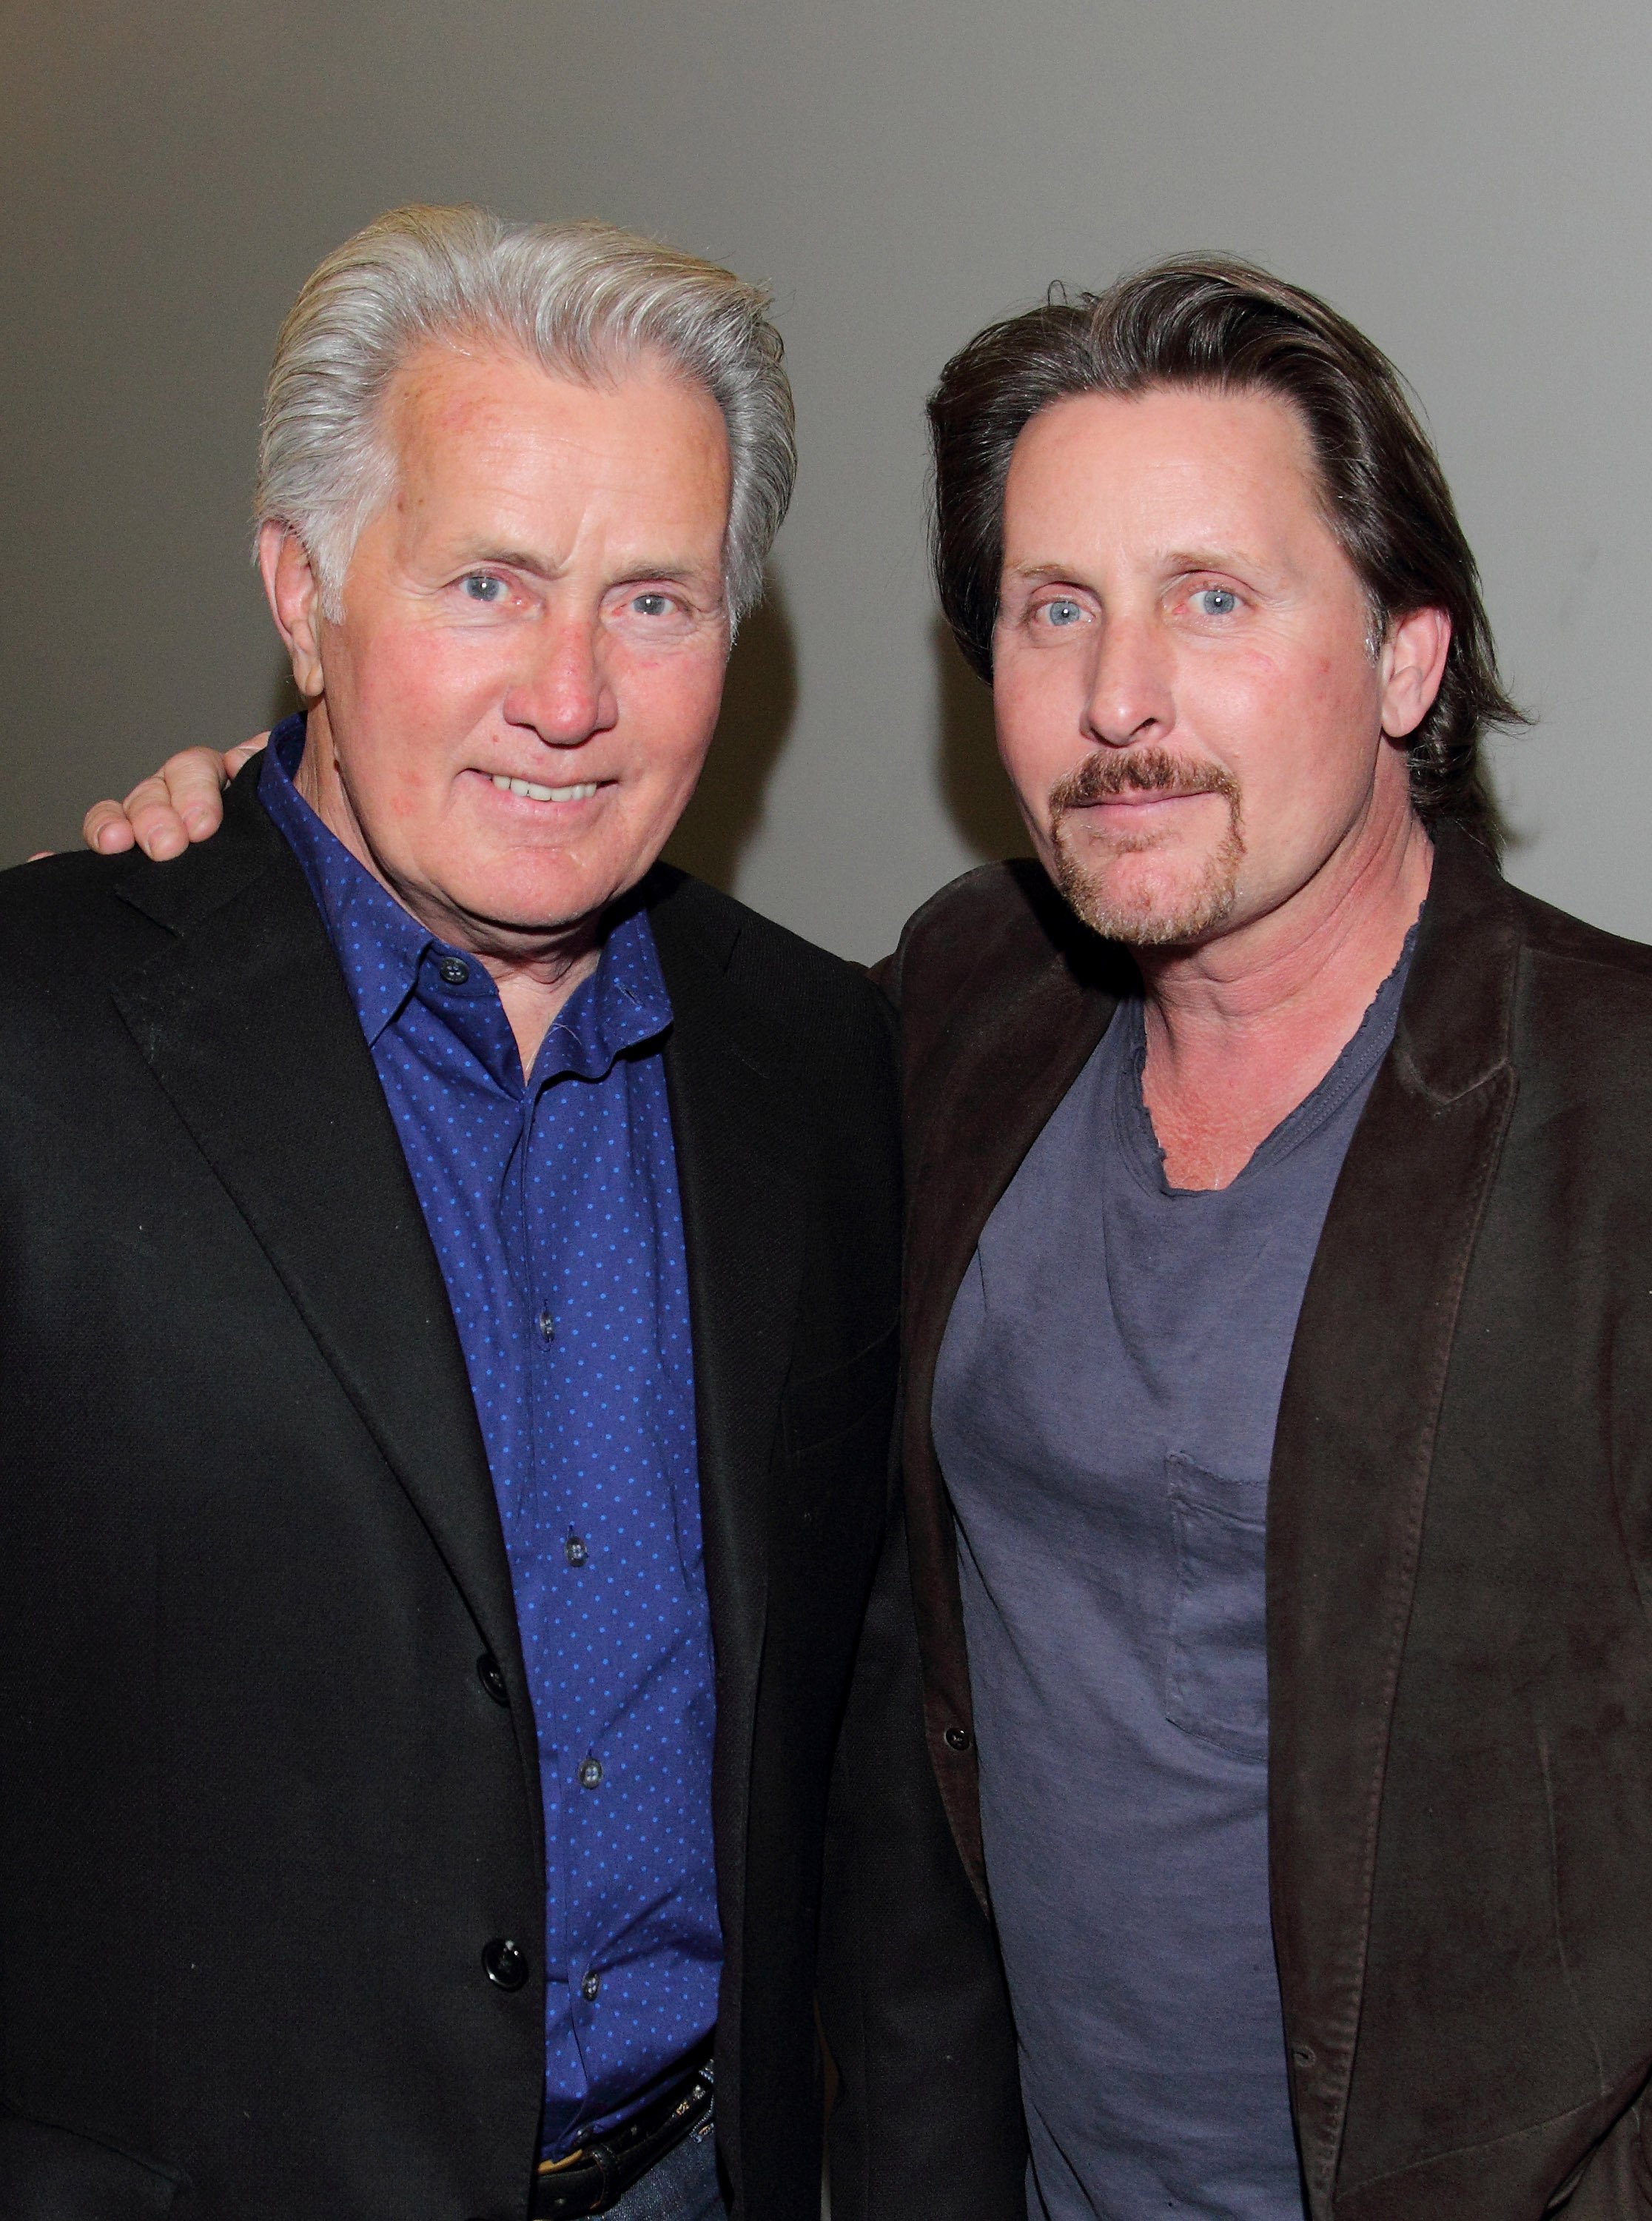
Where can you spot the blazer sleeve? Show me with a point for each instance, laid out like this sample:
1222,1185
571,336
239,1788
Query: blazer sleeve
928,2124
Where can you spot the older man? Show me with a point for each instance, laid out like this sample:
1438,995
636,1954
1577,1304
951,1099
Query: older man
447,1329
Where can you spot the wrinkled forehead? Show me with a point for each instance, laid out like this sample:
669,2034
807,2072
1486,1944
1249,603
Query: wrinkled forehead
464,425
1165,456
1164,474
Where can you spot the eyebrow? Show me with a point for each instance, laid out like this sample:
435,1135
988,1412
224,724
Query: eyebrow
506,559
1211,559
1034,572
1175,563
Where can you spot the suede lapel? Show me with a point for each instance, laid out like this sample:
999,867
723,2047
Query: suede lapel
1017,1063
244,1021
1351,1459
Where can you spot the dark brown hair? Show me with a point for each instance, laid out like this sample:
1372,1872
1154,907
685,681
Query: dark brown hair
1203,320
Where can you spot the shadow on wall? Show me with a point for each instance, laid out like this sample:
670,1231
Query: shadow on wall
759,702
977,793
285,700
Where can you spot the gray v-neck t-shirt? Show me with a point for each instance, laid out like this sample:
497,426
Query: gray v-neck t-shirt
1104,1412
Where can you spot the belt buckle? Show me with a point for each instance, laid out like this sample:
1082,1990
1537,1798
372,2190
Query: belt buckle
596,2197
571,2159
612,2166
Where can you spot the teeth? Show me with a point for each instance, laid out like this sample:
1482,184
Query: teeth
532,793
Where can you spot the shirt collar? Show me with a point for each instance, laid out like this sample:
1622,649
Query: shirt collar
388,957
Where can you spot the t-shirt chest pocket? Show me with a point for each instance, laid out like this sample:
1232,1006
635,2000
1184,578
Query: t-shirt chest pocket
1216,1653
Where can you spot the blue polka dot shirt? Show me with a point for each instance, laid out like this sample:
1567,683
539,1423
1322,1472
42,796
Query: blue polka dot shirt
552,1204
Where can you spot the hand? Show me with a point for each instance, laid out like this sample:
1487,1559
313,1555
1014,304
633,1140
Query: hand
180,803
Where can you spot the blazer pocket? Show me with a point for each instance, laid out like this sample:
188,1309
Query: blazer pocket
1216,1662
48,2173
816,1412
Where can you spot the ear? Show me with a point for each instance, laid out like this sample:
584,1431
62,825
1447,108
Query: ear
1413,664
294,593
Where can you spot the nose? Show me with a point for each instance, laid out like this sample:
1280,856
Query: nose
562,690
1130,697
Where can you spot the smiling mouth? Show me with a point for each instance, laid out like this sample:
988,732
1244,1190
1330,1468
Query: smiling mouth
529,792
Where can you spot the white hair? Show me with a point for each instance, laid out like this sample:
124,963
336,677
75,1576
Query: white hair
581,299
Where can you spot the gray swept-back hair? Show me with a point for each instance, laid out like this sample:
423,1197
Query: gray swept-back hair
582,299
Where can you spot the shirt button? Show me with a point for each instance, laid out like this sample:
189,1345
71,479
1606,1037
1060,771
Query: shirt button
957,1738
590,1774
505,1963
454,971
589,1986
574,1551
488,1672
547,1326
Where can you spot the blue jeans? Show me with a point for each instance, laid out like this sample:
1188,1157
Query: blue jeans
683,2187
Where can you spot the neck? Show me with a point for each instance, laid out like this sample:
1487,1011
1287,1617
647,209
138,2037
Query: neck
535,972
1243,1029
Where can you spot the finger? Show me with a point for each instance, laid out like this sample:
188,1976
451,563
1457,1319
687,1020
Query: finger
157,827
194,781
180,804
234,758
106,829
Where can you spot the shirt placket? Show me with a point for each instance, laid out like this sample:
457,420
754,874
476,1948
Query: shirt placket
579,1769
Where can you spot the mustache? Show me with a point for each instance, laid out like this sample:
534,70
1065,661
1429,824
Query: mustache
1140,770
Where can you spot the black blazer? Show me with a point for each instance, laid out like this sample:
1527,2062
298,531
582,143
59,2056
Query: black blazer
260,1813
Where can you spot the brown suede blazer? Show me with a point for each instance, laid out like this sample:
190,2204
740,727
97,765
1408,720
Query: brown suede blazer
1459,1582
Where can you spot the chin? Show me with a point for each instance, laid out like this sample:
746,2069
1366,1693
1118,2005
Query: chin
516,901
1147,901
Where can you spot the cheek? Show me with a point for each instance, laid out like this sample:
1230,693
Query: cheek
672,711
426,680
1305,747
1037,708
409,699
1344,713
409,693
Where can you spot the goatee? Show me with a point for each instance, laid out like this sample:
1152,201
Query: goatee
1145,918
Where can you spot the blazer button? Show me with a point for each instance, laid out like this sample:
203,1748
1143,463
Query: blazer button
957,1738
505,1963
488,1672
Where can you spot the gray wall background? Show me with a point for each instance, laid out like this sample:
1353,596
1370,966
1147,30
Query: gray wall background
1470,179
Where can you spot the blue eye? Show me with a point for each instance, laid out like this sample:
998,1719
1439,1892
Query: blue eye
652,606
1216,601
1063,611
483,586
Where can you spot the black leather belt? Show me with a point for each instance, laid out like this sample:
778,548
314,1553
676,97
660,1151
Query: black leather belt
599,2174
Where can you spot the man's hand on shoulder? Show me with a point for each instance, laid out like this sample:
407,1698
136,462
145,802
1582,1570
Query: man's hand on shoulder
181,803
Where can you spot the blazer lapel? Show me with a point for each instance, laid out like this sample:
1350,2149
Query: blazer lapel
246,1024
744,1215
1351,1459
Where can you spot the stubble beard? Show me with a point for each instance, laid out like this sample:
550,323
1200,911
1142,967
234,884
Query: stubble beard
1146,919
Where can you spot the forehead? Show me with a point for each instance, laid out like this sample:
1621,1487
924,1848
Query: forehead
1171,468
484,431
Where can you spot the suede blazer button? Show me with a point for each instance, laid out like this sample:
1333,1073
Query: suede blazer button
505,1963
957,1738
